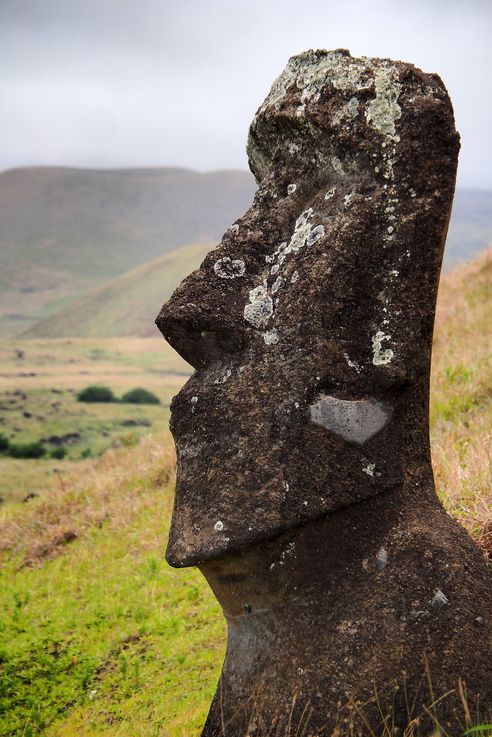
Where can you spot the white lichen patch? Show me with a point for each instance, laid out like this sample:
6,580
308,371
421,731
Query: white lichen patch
260,307
233,229
381,559
383,111
348,199
353,107
310,73
380,355
301,233
330,193
223,376
369,469
352,364
316,233
219,526
291,188
276,284
227,268
294,277
270,337
348,111
193,401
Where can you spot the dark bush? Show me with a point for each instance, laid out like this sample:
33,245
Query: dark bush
59,452
140,396
26,450
4,444
96,394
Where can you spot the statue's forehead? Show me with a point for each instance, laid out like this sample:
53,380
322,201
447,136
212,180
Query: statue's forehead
310,73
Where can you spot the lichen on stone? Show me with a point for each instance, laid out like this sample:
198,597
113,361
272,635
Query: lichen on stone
380,355
260,307
227,268
383,110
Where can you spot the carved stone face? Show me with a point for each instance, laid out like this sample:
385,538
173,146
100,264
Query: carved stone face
302,327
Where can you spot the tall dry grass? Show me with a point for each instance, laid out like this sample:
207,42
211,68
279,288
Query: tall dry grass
461,397
109,490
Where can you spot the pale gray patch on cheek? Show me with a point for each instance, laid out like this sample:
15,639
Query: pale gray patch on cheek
355,421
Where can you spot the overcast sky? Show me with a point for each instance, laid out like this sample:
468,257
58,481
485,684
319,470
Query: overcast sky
113,83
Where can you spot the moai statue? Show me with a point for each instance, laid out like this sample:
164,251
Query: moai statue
304,487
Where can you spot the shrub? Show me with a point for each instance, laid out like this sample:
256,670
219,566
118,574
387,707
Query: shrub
4,444
59,452
26,450
140,396
96,394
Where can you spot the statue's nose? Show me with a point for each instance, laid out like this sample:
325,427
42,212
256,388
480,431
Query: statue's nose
201,335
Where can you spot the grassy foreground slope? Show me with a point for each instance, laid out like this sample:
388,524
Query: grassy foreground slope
127,305
99,636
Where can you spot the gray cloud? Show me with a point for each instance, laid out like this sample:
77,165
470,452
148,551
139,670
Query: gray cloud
157,82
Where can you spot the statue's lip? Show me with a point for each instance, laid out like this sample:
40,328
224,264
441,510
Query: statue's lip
182,555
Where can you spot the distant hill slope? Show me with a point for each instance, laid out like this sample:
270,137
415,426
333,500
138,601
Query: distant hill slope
127,305
470,230
64,231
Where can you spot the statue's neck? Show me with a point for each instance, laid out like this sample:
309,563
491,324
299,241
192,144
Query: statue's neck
300,607
307,565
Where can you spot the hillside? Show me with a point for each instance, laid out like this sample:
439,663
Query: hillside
100,636
127,305
470,229
65,231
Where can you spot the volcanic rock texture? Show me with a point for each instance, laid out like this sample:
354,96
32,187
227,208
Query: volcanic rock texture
304,486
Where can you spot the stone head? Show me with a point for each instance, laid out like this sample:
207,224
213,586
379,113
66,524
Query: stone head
309,327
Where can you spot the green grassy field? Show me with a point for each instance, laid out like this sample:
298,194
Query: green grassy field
98,635
39,381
